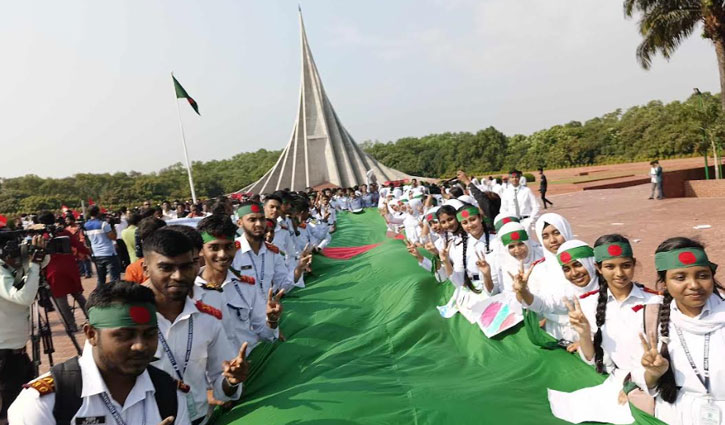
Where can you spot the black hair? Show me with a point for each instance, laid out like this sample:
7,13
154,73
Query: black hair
93,211
666,383
120,291
601,312
167,242
133,219
218,225
272,197
149,225
483,223
466,279
194,236
46,217
456,191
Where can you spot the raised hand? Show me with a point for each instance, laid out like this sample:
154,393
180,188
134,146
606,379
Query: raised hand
305,260
521,279
577,319
236,370
654,364
413,250
430,246
482,264
274,308
443,254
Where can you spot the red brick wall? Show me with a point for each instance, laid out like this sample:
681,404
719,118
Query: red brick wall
705,188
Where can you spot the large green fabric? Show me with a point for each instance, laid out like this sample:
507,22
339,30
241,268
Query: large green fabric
366,345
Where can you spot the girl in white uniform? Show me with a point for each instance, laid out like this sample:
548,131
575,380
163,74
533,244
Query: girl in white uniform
608,321
474,273
516,252
687,374
434,242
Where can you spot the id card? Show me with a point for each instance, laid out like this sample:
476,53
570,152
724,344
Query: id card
710,414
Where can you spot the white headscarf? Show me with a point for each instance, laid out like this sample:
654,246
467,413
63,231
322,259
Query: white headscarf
588,264
455,203
561,224
508,262
713,321
468,199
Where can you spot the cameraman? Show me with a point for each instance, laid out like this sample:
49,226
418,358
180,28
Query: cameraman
62,273
101,235
17,293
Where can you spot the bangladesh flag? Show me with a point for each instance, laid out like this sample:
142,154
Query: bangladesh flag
365,345
182,94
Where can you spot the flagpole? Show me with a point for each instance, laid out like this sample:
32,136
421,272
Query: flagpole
186,153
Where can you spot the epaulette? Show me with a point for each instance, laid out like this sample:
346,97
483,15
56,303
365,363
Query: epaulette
283,226
241,277
648,290
272,247
638,307
582,296
539,261
212,287
205,308
302,225
44,385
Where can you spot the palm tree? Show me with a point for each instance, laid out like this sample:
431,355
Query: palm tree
664,24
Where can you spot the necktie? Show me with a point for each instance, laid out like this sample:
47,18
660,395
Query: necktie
516,202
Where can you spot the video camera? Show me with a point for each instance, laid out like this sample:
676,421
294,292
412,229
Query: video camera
17,243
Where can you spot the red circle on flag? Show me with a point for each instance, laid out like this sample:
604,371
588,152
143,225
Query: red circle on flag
464,214
565,257
614,250
140,315
506,220
237,245
687,258
430,217
515,236
256,209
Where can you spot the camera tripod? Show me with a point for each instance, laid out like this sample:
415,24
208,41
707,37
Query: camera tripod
40,331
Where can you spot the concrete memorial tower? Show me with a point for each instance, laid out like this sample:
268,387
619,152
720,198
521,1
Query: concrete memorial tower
321,152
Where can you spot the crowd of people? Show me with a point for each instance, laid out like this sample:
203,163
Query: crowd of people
193,289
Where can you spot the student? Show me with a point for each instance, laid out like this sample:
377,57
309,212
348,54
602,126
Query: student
543,187
519,201
552,230
134,271
575,259
474,272
114,372
193,346
434,242
608,321
687,374
248,318
516,252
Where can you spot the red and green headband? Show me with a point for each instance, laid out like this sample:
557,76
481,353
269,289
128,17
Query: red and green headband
254,208
122,315
431,218
608,251
682,258
505,220
575,253
515,236
467,212
208,237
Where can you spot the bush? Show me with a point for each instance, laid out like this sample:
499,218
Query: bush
529,178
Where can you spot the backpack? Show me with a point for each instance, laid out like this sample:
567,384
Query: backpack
69,384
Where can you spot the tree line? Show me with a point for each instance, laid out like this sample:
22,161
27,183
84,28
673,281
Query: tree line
655,130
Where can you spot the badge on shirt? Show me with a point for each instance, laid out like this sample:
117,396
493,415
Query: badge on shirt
91,420
247,267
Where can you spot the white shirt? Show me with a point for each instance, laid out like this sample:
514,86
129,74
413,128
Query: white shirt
244,316
528,205
30,408
266,267
15,306
210,347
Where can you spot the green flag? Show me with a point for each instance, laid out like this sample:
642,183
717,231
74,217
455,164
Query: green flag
182,94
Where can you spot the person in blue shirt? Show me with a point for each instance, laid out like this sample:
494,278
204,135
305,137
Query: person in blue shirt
101,236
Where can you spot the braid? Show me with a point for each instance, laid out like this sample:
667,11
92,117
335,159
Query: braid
667,385
466,279
486,235
601,317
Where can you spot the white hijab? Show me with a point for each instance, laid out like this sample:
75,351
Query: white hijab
713,321
588,264
551,265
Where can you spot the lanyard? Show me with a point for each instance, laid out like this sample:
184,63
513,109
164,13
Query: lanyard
114,412
170,355
705,378
256,272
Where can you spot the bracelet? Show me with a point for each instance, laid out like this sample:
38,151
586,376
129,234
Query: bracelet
232,385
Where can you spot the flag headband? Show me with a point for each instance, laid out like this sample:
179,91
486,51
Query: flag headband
682,258
122,315
208,237
467,212
575,253
515,236
608,251
431,217
254,208
511,219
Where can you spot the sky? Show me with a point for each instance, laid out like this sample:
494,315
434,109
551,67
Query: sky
86,86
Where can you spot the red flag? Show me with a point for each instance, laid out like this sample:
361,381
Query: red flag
3,221
76,214
63,208
103,210
90,202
